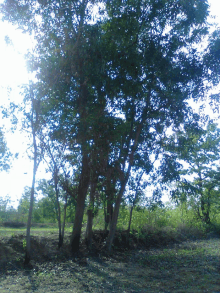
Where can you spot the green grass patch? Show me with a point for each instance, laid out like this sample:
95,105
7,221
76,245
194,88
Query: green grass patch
191,266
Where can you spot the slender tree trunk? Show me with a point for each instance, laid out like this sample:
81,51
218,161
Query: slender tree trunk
90,213
55,177
55,172
64,217
28,236
113,224
89,228
34,124
105,216
111,190
80,205
129,224
109,213
205,208
134,201
82,132
60,243
124,181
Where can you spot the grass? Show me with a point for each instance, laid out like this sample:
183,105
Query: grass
36,230
190,266
22,231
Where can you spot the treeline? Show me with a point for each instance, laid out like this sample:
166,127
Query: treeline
112,80
157,222
44,209
196,211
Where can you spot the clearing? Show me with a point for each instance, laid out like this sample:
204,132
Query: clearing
190,266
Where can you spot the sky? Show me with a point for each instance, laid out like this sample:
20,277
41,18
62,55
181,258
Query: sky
13,74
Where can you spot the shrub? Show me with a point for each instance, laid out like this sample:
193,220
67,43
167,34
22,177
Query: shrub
14,224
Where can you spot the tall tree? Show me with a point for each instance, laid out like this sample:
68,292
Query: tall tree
55,152
131,70
199,179
136,193
32,121
155,69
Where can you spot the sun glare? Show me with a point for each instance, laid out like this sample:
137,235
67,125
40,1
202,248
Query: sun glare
13,74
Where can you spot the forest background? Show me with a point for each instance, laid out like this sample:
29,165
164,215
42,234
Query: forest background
109,112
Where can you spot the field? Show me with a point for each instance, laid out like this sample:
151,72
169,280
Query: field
189,266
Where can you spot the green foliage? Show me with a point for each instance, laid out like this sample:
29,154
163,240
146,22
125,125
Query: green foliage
44,211
7,212
24,244
199,182
24,204
179,220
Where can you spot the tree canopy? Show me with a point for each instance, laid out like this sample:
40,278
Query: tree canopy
199,177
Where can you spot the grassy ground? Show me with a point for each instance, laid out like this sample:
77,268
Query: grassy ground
191,266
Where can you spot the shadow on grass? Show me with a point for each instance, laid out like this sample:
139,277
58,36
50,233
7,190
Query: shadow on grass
191,266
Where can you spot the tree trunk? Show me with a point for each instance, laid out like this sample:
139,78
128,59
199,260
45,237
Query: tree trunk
105,215
124,181
109,214
80,205
90,213
134,201
58,217
88,237
205,208
111,190
60,241
113,224
129,224
64,217
28,236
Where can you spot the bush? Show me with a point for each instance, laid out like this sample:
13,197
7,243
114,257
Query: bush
14,224
191,231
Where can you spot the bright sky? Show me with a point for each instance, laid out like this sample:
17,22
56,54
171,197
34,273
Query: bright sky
13,74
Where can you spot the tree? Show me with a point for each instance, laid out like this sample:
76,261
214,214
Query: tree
131,72
24,204
161,68
199,180
7,211
47,208
135,194
32,121
56,153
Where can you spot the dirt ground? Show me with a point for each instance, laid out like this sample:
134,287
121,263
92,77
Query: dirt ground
191,266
